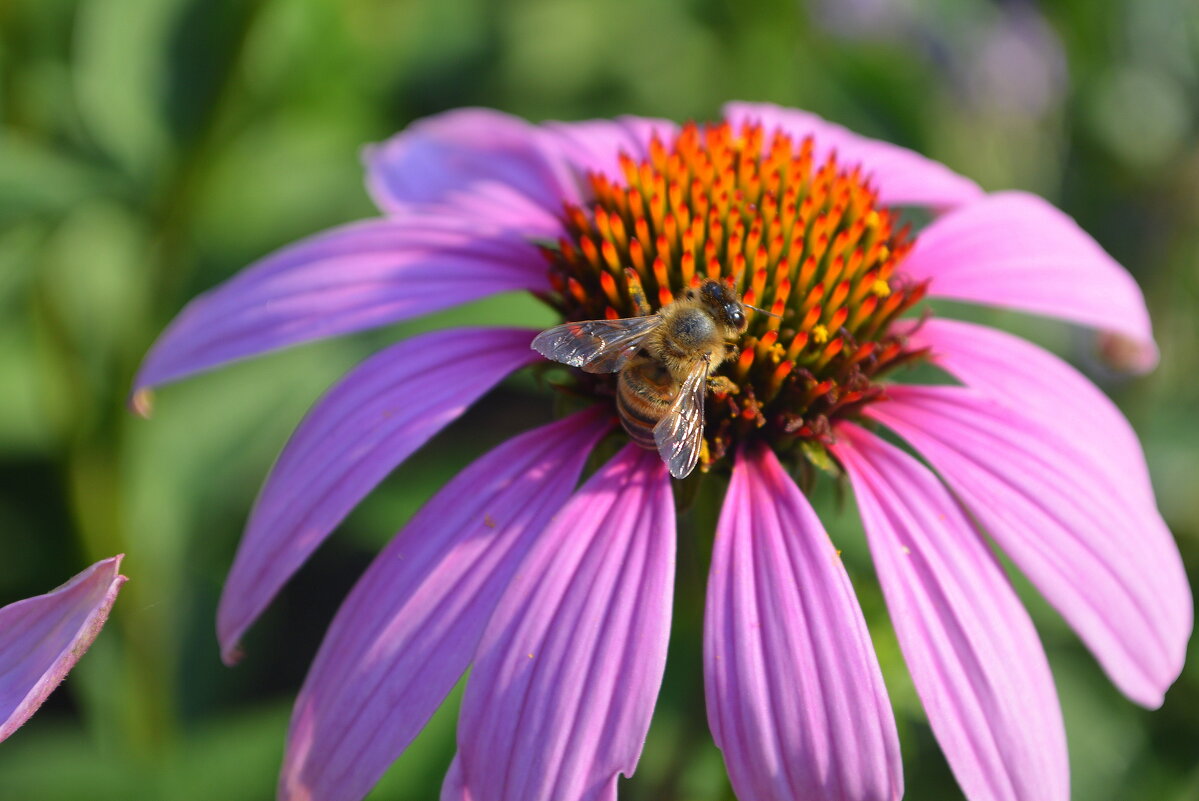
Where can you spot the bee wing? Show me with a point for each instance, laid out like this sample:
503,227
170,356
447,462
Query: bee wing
597,346
680,433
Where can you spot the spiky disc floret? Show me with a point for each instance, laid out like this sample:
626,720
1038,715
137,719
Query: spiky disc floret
806,242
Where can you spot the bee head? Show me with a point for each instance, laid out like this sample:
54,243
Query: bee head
724,304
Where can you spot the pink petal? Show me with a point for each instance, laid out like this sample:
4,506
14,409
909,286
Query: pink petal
360,431
595,146
565,679
41,638
346,279
902,176
453,788
450,157
1015,249
974,655
795,697
1041,387
406,632
1109,566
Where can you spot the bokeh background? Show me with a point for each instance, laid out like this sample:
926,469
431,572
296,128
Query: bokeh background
151,148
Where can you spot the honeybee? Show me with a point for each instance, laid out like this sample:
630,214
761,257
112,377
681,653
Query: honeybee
665,362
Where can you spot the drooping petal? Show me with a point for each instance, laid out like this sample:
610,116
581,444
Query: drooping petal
973,653
347,279
407,631
41,638
565,679
1108,565
450,157
361,430
1038,385
795,697
902,176
1016,250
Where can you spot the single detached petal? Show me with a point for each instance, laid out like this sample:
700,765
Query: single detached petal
902,176
1038,385
41,638
795,697
347,279
360,431
1108,565
973,653
566,676
1015,249
450,157
408,629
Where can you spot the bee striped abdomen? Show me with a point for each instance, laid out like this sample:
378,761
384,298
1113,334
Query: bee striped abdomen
643,396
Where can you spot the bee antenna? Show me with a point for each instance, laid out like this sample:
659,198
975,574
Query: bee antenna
763,311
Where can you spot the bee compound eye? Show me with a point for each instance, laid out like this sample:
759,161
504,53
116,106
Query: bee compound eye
737,317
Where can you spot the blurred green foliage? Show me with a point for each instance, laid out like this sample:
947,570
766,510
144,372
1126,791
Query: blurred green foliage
151,148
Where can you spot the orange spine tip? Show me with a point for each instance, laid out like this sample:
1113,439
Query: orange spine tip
610,255
812,316
641,230
611,314
838,318
590,251
863,311
714,268
748,297
798,342
664,296
687,266
660,274
577,290
601,223
840,293
637,254
619,234
759,281
608,283
808,272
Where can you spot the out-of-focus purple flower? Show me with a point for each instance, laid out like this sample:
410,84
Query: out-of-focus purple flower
1003,58
560,596
41,638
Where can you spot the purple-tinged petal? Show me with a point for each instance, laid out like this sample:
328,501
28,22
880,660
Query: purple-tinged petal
1040,386
595,146
454,787
795,697
360,431
1016,250
973,653
449,157
902,176
41,638
1108,565
347,279
565,679
407,631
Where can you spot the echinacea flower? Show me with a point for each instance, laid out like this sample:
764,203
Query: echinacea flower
559,597
41,638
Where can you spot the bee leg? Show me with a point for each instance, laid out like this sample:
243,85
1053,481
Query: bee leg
722,384
637,295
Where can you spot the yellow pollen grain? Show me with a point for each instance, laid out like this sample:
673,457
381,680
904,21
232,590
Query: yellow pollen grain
820,335
884,253
880,288
777,352
872,219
